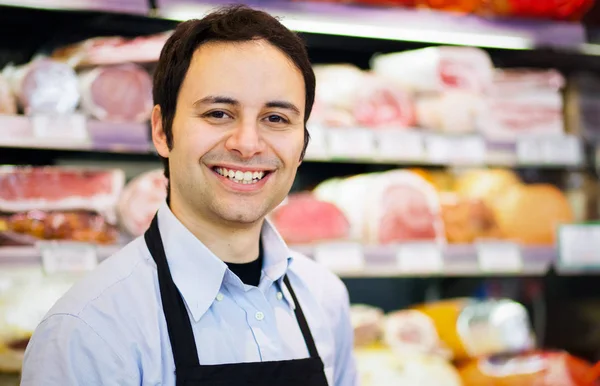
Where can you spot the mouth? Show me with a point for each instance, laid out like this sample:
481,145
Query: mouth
240,176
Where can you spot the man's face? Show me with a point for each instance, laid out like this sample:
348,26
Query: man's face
238,132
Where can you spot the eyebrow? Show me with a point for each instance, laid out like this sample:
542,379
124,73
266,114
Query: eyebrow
212,99
283,105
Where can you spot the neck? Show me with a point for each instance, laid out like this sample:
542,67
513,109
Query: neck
231,243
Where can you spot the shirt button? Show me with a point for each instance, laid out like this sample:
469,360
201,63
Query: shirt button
219,297
279,296
259,316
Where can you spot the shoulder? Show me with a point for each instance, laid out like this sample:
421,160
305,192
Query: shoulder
329,290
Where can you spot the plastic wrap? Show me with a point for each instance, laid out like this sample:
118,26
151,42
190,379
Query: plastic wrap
119,93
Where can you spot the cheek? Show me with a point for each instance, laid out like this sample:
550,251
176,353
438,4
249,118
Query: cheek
288,146
192,140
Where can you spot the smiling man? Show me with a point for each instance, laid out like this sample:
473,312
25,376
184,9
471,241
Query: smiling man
211,295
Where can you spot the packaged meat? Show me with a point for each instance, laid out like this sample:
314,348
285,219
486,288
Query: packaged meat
572,10
410,332
485,184
382,367
8,102
401,206
472,328
467,219
519,80
538,368
112,50
435,69
531,214
118,93
367,322
451,111
140,201
304,219
24,189
27,228
44,86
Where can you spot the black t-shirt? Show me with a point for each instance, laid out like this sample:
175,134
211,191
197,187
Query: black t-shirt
249,273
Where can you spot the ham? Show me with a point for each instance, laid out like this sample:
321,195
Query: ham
119,93
450,111
140,201
44,86
49,188
435,69
305,219
467,220
367,322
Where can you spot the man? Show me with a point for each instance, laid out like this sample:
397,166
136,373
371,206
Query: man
211,295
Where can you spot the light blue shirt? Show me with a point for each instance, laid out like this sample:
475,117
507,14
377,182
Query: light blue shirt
109,329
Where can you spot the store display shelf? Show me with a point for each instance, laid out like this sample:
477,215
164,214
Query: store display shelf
403,24
140,7
73,132
419,147
428,259
31,255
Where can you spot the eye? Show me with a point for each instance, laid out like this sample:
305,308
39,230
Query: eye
273,118
217,114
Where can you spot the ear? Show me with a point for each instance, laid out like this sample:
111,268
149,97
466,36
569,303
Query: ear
159,138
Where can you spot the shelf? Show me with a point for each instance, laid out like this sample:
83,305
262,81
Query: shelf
74,132
406,25
140,7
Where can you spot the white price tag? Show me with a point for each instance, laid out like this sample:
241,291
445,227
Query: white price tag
529,151
351,143
317,147
468,150
399,144
438,149
500,257
420,257
340,257
563,150
70,257
65,127
579,245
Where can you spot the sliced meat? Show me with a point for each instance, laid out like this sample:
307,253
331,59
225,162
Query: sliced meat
305,219
120,93
8,102
367,322
140,201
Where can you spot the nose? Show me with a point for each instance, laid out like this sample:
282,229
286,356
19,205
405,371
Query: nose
245,140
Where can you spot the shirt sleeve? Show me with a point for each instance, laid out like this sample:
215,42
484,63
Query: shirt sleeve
345,364
65,351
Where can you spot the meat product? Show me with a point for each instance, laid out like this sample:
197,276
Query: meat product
44,86
531,214
410,332
436,69
119,93
472,328
140,201
545,9
582,105
112,50
25,189
451,111
8,102
32,226
382,367
467,220
379,104
367,323
485,184
306,219
550,368
517,81
465,6
401,206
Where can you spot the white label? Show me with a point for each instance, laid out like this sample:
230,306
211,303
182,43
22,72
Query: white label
60,257
579,245
340,257
467,150
499,256
317,147
529,151
400,145
564,150
438,149
351,143
420,257
66,127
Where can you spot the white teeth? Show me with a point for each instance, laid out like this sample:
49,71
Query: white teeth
240,176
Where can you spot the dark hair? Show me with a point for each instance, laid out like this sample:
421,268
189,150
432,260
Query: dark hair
236,23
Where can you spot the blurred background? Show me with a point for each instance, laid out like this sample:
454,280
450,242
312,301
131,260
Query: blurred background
451,180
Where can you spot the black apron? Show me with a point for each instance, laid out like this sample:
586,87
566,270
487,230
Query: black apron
189,371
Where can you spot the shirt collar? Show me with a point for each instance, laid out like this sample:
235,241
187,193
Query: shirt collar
199,274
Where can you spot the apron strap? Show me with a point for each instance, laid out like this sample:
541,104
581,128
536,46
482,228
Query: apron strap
178,322
308,338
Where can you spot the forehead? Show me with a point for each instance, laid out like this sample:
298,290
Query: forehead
254,70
